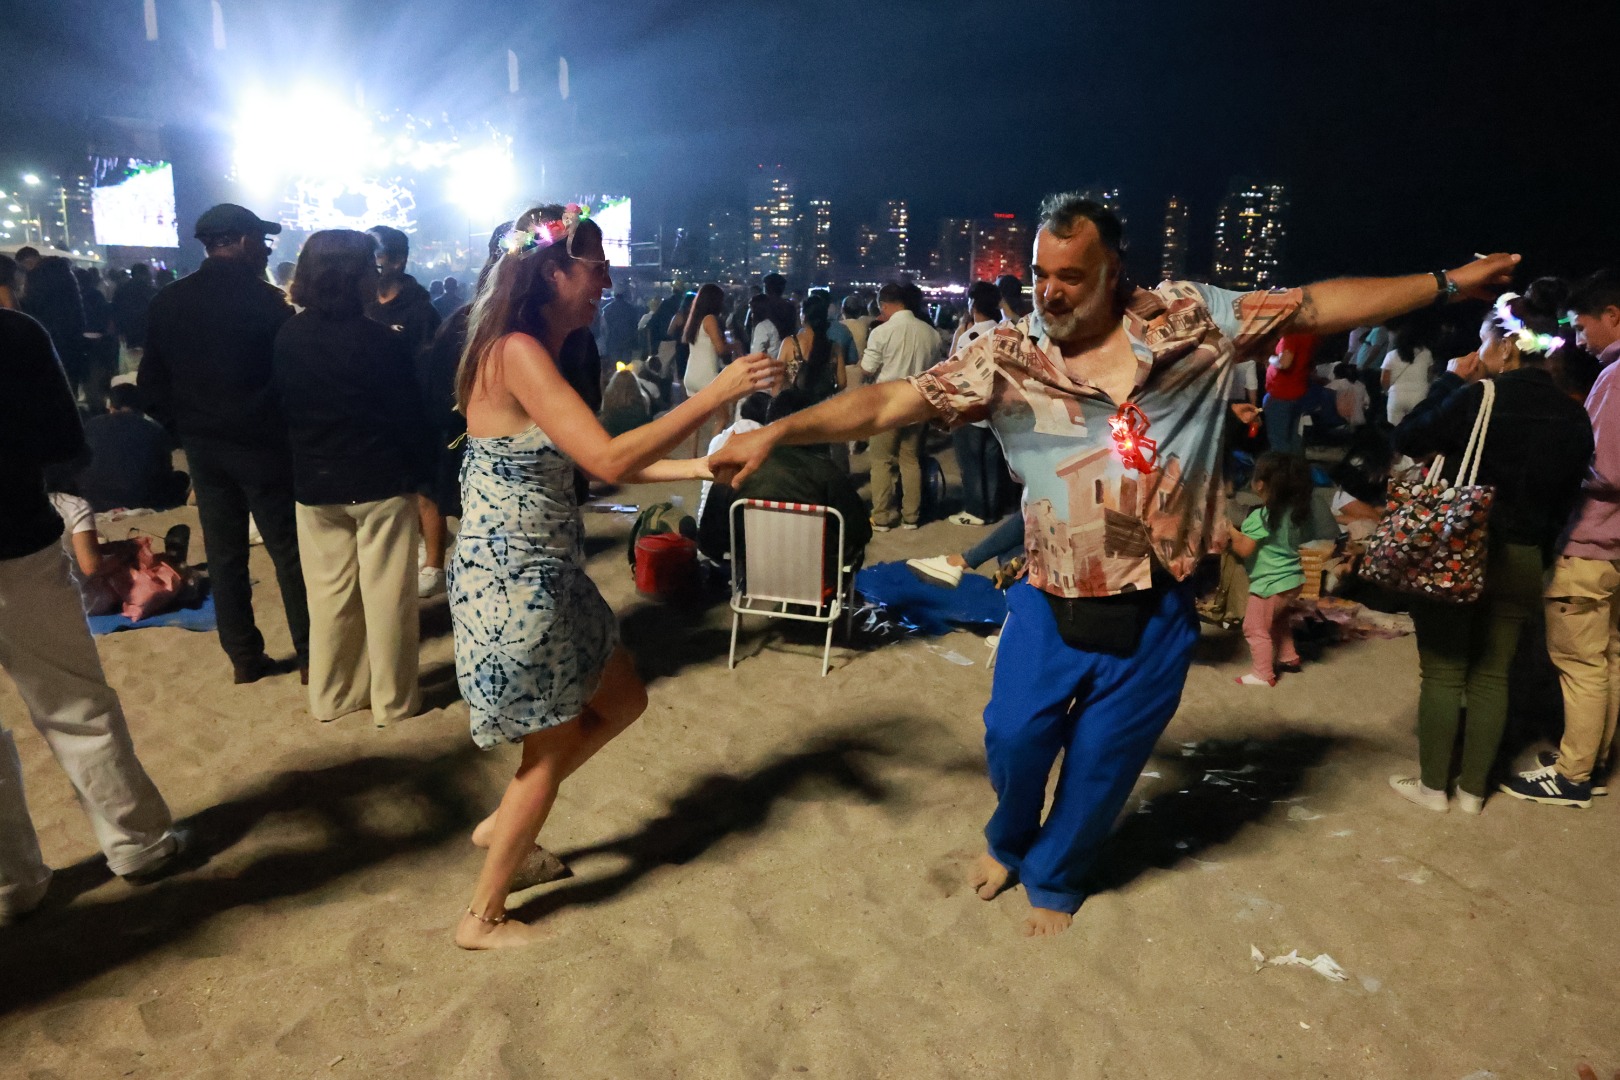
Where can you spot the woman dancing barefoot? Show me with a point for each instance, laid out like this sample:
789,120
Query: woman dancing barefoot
537,653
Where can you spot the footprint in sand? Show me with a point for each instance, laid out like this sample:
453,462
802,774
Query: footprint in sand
948,876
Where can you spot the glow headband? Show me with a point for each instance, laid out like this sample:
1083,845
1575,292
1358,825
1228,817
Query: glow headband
1513,328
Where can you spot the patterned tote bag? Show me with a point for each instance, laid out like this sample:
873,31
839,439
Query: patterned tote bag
1431,542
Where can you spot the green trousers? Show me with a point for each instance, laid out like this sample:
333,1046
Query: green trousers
1464,652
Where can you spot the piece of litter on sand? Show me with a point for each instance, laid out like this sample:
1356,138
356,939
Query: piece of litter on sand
1299,813
952,655
1152,775
1304,1025
610,508
1342,833
334,1061
1483,1074
1324,965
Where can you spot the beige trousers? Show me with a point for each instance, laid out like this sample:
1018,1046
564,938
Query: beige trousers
360,573
890,452
46,648
1583,640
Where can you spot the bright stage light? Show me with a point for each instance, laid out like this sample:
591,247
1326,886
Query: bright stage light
482,182
336,166
30,179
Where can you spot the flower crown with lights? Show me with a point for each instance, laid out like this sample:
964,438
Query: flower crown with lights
539,235
1513,328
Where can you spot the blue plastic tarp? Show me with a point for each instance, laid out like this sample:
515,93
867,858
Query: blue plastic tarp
199,618
935,609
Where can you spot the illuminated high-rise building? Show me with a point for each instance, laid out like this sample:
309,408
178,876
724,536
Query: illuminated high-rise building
868,248
952,258
894,228
1000,246
1249,236
818,238
773,218
1108,197
1173,264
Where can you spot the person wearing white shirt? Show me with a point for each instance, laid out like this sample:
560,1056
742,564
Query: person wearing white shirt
1245,383
978,452
1350,396
904,346
1408,371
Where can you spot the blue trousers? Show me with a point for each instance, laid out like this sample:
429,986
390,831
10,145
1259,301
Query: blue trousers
1104,712
1282,424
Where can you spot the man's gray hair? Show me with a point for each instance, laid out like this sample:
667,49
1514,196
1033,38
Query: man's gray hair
1063,212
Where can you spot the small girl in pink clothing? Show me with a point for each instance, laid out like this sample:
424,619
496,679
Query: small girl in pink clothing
1269,543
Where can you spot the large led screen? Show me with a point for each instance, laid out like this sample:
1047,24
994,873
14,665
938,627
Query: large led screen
132,202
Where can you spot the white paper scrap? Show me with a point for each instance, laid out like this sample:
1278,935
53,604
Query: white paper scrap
1324,965
1299,813
952,655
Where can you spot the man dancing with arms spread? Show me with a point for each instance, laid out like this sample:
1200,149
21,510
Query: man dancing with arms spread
1110,408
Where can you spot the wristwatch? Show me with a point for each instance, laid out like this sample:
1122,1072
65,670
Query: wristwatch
1448,288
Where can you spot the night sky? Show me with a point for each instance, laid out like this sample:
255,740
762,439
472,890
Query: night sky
1410,133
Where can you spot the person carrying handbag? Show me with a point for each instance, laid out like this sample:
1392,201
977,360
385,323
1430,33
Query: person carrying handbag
1534,450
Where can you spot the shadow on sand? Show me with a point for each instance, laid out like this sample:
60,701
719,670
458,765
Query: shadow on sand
60,946
721,805
1238,782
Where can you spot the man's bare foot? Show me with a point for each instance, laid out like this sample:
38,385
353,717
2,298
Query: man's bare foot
473,933
1044,922
988,878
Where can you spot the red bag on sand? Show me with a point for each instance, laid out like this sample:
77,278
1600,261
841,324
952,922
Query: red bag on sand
146,584
666,566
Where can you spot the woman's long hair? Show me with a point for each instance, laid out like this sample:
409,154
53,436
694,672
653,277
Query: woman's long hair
1287,479
513,298
711,300
336,273
817,318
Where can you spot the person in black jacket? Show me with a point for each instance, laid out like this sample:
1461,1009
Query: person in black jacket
51,295
401,301
1538,445
206,374
359,455
47,648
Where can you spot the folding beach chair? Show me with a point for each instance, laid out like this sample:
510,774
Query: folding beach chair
782,573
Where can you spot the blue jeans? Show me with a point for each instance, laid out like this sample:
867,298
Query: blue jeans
1282,424
978,455
1001,543
1103,711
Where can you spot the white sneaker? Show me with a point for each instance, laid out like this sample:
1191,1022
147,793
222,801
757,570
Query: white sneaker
909,526
936,571
965,518
429,582
1412,790
1470,804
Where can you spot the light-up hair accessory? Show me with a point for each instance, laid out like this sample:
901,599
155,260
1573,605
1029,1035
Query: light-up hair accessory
539,234
1513,328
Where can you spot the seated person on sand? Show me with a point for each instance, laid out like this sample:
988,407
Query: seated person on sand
131,461
801,474
626,402
1004,543
752,414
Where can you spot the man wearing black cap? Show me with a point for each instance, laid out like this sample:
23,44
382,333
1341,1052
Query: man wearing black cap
207,374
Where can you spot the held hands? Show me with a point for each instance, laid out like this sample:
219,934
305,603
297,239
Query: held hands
745,375
1245,412
1485,277
737,459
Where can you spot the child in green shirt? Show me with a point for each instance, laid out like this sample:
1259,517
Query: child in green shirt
1269,543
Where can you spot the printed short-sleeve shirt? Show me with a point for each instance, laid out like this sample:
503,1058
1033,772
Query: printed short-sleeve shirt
1093,527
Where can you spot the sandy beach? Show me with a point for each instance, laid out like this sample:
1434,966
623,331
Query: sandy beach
768,882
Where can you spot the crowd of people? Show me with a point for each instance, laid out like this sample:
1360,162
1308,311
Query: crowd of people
349,414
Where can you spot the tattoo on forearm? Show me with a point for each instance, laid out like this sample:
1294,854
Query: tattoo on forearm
1307,307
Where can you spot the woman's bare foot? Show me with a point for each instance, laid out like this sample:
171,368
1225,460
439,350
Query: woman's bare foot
1044,922
473,933
988,877
483,832
958,562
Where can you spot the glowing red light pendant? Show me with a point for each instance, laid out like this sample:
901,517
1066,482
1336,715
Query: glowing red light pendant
1129,428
